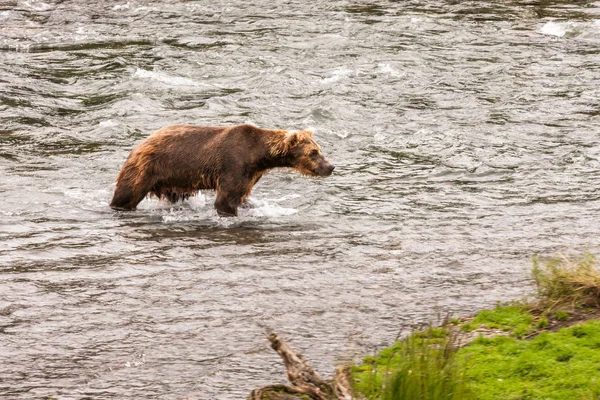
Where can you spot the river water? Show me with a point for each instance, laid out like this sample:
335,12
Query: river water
466,137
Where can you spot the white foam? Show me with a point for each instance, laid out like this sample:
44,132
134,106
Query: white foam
176,216
144,9
259,209
200,208
193,209
195,203
109,123
82,194
37,5
288,197
342,134
554,29
388,69
263,208
86,199
337,132
166,78
380,137
336,75
119,7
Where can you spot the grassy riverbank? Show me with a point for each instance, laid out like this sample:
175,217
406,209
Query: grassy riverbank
545,348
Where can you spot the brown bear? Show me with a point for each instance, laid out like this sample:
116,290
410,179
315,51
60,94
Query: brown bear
176,162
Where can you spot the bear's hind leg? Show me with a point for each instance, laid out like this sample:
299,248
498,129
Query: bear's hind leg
127,195
227,204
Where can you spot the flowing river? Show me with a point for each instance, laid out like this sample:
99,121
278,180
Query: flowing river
466,139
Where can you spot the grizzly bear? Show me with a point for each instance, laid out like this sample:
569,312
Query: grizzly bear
176,162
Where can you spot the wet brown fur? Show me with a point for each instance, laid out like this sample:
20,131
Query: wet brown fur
176,162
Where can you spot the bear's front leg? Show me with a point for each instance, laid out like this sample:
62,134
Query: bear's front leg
227,204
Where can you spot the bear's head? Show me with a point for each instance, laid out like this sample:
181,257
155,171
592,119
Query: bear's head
304,154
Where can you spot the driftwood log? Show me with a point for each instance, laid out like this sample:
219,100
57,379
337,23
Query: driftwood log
306,384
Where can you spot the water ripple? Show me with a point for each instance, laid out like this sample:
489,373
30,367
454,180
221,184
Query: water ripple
465,135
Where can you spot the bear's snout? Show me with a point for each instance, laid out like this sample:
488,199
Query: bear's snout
326,169
330,169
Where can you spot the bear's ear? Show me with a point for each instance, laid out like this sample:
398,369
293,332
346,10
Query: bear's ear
307,133
292,138
283,144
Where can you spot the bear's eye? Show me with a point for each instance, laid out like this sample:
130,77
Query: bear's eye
314,153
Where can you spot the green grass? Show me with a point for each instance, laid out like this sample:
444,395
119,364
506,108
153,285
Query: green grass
561,315
423,366
562,365
513,318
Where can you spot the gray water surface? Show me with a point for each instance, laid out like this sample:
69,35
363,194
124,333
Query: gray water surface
466,137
